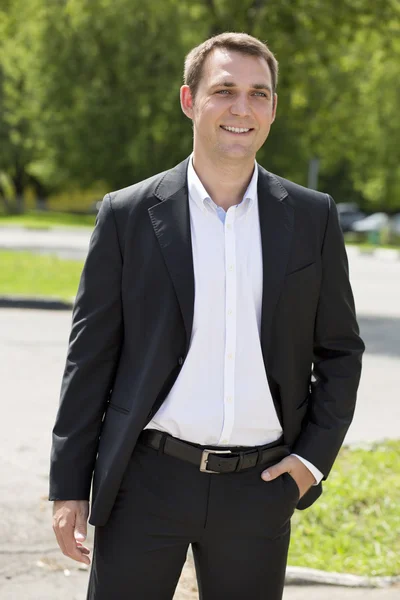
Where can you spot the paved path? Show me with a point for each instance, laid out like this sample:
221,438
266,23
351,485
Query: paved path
32,354
66,242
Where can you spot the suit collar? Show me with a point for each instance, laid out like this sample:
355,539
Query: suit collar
269,185
173,182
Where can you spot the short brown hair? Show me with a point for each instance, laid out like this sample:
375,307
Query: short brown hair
238,42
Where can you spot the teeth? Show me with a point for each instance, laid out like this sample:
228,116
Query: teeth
235,129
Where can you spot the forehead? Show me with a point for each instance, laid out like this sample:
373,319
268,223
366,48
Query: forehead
222,64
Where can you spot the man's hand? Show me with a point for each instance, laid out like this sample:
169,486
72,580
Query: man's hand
292,465
70,526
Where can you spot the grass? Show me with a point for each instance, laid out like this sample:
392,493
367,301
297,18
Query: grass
369,246
44,220
366,242
38,275
355,526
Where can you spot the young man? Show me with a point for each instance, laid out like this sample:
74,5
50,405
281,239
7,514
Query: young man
210,295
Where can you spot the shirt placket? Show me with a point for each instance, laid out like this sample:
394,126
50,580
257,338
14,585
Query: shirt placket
230,326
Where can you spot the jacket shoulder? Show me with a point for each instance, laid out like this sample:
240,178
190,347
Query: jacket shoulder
301,194
136,193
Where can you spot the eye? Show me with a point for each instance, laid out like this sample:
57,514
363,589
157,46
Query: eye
223,92
262,94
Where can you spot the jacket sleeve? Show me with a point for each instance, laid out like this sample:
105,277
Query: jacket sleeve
337,356
93,353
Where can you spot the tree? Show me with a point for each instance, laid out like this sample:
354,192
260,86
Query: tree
20,145
90,89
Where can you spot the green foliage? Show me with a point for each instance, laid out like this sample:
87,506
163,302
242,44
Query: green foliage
111,72
18,107
36,275
354,527
89,90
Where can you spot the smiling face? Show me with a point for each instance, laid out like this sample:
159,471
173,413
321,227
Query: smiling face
234,106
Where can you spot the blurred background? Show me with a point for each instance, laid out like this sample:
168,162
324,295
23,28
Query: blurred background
89,103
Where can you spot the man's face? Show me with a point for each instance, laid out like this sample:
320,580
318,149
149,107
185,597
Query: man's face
235,92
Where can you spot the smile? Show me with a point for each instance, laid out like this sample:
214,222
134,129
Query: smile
236,129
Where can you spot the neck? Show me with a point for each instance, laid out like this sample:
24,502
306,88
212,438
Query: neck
225,181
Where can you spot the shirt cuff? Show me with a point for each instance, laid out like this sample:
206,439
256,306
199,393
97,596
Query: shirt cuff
316,472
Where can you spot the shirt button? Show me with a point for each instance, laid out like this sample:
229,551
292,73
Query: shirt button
224,441
231,267
180,361
229,226
230,311
230,355
229,399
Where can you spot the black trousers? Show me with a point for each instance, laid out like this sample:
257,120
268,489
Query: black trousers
238,525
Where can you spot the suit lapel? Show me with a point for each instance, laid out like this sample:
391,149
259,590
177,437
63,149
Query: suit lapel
171,222
276,224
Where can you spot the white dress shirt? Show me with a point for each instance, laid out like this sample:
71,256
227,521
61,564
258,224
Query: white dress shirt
221,396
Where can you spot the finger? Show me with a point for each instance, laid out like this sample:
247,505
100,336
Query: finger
71,549
83,549
275,471
80,531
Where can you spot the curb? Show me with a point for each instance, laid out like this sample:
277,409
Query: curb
306,576
35,302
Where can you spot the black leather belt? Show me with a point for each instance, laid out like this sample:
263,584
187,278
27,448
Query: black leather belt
210,460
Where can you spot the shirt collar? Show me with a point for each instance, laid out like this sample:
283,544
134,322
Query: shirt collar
199,195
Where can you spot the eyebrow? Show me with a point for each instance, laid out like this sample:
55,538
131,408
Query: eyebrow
255,86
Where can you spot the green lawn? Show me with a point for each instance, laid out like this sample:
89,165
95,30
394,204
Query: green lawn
355,526
40,220
35,274
367,246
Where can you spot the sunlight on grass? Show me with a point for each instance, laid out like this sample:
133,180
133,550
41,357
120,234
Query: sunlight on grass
355,526
34,274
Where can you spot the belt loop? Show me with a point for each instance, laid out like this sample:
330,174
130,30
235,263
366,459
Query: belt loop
240,461
162,443
259,456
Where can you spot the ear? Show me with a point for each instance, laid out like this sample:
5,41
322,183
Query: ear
274,105
186,101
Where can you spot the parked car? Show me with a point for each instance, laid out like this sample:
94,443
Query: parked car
394,225
349,213
375,222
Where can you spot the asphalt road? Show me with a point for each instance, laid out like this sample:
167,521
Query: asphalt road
32,354
67,242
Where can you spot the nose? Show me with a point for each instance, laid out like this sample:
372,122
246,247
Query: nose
240,107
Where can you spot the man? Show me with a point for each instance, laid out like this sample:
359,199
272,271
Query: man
210,296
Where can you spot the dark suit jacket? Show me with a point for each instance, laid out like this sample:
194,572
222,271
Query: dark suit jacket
133,316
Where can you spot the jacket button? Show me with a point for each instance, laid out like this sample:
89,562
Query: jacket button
180,361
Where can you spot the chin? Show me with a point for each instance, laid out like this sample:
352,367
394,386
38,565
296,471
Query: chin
237,153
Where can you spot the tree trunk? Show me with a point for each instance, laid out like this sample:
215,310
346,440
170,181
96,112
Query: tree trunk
6,203
19,180
40,193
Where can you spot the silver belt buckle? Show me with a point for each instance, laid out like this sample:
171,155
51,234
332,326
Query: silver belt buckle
204,459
